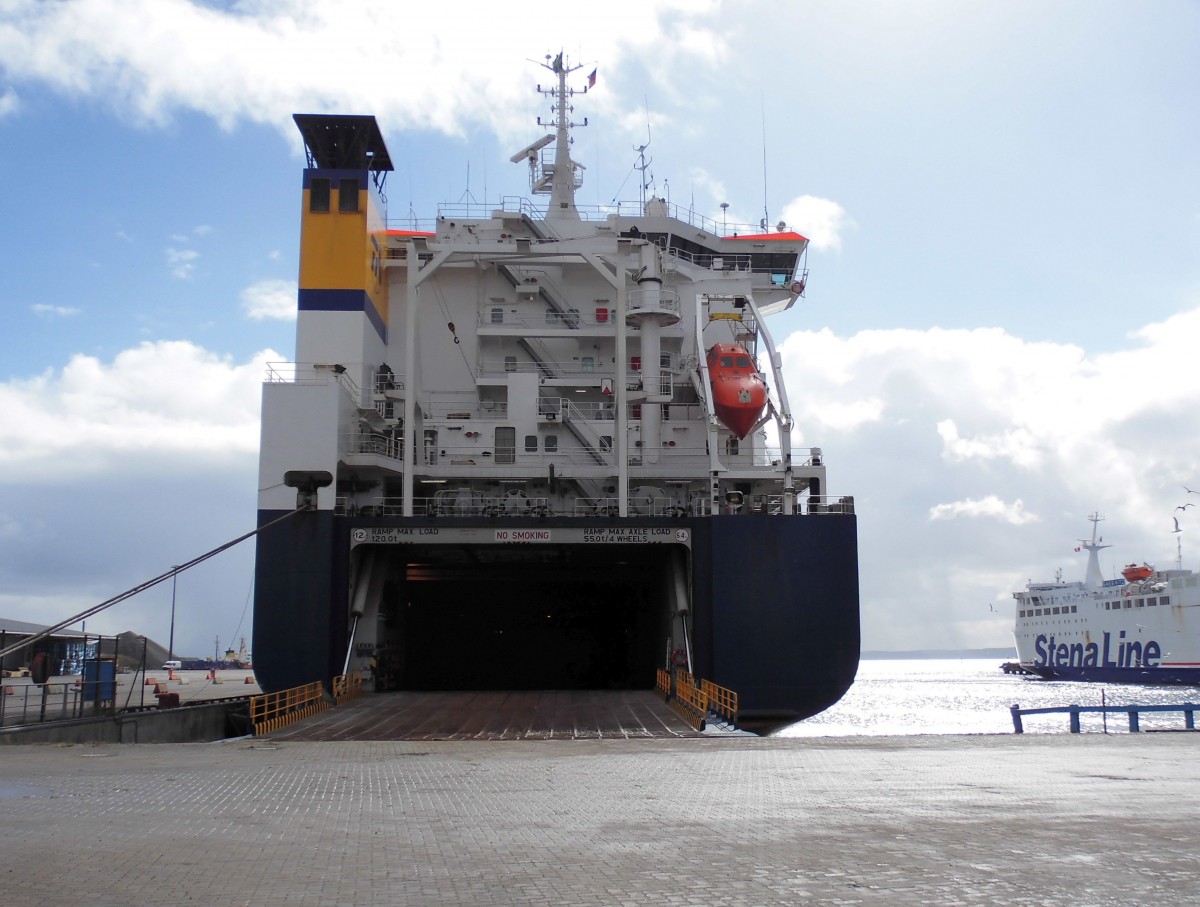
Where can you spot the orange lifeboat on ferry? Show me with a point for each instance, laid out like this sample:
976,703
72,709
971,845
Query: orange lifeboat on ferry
1135,573
739,392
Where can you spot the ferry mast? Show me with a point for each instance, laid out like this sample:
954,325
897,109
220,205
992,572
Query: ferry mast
1093,579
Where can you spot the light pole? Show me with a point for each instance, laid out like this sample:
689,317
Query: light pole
171,641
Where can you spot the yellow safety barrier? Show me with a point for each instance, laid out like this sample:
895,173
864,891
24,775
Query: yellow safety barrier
689,702
720,700
271,711
694,702
347,687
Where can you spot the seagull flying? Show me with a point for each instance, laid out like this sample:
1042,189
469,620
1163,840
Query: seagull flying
1188,490
1176,529
1185,506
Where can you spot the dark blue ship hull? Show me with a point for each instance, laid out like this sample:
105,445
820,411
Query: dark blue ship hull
774,607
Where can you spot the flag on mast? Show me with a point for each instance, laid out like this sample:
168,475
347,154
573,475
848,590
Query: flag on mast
592,79
558,64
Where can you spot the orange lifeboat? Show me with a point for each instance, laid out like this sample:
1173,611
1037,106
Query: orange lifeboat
739,393
1135,573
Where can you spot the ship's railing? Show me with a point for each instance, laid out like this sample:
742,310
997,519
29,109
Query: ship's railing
496,316
380,444
635,506
467,503
826,503
696,702
664,300
480,452
317,373
493,367
347,687
456,406
513,204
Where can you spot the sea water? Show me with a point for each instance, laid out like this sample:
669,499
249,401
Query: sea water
973,696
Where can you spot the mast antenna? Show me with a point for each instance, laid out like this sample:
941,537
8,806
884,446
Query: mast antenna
642,164
766,218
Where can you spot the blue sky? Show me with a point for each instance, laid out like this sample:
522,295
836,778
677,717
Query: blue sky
1004,302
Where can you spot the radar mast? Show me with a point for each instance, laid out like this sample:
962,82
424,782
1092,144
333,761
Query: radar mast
561,177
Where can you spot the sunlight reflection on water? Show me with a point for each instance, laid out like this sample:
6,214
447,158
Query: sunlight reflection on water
973,696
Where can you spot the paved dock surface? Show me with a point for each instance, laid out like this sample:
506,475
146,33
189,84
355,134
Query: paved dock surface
1004,820
495,715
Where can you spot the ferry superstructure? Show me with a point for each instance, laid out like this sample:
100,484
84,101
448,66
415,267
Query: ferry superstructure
1143,627
506,439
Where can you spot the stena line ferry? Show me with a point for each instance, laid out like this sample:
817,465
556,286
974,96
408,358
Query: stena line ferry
537,446
1142,627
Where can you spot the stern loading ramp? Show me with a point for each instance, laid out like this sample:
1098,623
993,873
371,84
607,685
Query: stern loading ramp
520,617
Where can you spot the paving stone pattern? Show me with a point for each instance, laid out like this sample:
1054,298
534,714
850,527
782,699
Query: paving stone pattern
1061,820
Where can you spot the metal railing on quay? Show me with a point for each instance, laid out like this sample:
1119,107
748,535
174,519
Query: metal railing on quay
35,703
1133,712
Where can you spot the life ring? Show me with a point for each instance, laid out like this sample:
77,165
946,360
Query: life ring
679,658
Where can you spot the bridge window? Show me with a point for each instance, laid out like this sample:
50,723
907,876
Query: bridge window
588,364
348,196
318,194
497,316
551,443
530,443
510,363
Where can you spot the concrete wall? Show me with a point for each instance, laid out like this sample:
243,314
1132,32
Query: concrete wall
188,724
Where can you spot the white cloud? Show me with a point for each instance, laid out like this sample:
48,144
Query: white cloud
270,299
269,58
9,102
167,399
823,221
131,465
54,311
974,457
991,506
182,262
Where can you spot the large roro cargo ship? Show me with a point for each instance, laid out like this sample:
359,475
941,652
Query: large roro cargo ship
543,447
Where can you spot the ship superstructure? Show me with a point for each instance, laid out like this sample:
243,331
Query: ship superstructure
524,467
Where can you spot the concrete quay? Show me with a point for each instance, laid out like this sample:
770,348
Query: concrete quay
1013,820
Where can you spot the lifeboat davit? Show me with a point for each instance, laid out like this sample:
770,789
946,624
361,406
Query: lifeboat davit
1135,573
739,393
